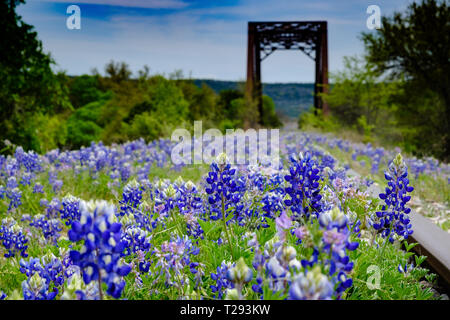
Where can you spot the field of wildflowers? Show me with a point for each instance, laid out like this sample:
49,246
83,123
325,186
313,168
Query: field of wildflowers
123,222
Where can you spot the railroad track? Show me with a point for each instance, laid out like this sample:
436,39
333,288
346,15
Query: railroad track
434,243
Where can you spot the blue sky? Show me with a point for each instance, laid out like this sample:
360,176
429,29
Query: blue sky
204,38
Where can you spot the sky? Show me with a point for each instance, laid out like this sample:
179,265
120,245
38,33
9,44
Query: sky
203,38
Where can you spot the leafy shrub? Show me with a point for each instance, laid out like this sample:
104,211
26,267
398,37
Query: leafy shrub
167,100
145,126
314,119
224,103
269,117
85,89
51,131
83,126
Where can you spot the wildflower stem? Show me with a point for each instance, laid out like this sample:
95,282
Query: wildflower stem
99,280
225,226
177,226
385,243
31,204
100,286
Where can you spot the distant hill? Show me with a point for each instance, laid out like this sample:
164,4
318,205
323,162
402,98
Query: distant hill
291,99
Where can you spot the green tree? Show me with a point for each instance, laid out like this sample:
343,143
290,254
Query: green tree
27,84
416,45
359,92
227,109
118,71
150,110
361,99
269,118
84,89
83,125
202,100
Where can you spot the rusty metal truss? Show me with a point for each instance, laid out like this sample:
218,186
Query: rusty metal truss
264,38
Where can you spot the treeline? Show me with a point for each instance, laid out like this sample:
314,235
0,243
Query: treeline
115,107
43,110
291,99
398,93
118,108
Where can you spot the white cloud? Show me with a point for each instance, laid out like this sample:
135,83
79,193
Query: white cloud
148,4
211,42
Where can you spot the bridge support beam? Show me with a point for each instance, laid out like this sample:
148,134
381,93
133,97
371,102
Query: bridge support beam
307,36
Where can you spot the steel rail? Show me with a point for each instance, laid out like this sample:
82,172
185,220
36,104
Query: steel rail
434,243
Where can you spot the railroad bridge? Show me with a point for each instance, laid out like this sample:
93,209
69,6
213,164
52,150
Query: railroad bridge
264,38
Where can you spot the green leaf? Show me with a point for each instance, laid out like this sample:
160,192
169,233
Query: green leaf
419,260
408,247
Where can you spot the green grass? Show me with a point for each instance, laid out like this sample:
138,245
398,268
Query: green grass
190,172
428,189
393,285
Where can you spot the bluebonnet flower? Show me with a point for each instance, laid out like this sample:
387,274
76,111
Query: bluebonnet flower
2,192
75,288
99,258
52,176
301,233
49,267
57,185
311,285
239,274
136,240
54,181
37,288
50,228
283,224
405,269
15,196
336,240
38,188
272,204
30,160
222,187
43,202
167,199
334,218
11,183
52,209
125,172
222,282
257,287
393,217
281,263
114,174
132,197
26,179
173,257
70,209
193,228
134,208
12,238
190,204
11,167
303,196
143,264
